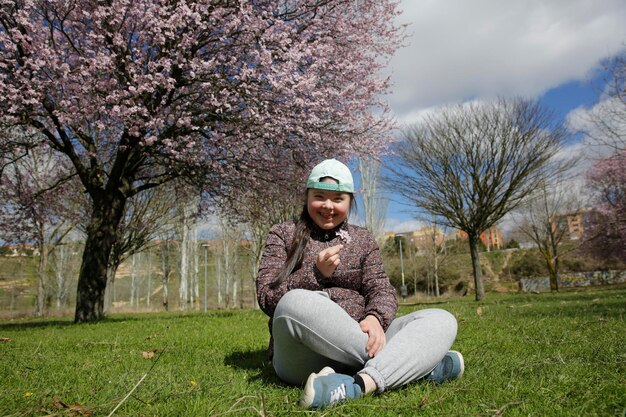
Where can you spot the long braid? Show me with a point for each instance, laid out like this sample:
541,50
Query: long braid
295,254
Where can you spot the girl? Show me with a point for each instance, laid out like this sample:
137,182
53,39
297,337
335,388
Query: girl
331,306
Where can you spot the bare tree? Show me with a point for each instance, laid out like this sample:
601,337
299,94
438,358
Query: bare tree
64,264
188,272
134,279
30,211
605,123
227,277
544,220
436,253
166,249
470,164
374,206
149,262
147,215
262,207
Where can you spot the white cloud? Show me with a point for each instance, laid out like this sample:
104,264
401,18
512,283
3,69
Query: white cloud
611,112
476,50
485,48
397,226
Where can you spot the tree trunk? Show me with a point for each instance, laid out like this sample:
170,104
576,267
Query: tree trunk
436,273
218,278
60,276
41,277
149,278
554,272
165,261
183,285
109,293
478,276
254,263
134,284
65,269
101,234
195,287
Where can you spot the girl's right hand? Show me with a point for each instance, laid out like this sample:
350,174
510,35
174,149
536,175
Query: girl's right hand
328,260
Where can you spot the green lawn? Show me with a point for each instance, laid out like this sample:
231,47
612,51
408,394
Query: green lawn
526,355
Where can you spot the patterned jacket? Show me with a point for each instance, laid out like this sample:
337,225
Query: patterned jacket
359,284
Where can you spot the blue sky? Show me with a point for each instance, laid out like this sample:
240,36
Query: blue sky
481,49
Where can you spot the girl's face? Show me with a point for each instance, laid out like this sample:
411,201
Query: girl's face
328,209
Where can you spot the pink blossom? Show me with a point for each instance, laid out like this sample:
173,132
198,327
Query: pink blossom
135,93
344,235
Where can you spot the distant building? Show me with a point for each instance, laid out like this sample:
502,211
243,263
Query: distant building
492,238
573,223
422,238
25,249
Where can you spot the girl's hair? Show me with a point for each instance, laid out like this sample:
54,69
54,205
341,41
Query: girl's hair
302,234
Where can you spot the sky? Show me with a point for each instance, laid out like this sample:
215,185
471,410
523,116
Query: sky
460,50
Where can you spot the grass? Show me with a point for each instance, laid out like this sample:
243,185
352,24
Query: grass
526,355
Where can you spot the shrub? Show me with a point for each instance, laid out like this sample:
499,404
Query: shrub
529,264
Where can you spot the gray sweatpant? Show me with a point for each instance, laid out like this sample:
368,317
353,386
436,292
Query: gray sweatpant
311,331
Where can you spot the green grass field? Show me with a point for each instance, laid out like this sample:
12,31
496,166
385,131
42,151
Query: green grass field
526,355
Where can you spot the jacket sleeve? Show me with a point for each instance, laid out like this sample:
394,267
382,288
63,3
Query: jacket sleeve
380,295
272,262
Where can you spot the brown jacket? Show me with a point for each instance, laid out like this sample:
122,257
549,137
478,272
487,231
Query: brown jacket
359,284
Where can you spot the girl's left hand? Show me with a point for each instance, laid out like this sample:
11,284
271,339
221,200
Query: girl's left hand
377,338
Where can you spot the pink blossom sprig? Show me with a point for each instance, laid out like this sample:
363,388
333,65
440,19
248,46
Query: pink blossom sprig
344,236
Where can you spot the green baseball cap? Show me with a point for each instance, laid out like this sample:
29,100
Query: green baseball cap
335,170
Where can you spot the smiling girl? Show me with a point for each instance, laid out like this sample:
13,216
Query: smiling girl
331,305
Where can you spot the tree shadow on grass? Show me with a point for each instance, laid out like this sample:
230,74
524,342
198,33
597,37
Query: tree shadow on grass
256,361
35,324
30,323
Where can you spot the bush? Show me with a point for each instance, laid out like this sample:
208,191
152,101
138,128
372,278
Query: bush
512,244
529,264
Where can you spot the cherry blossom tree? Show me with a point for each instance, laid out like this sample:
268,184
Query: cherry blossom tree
216,92
606,231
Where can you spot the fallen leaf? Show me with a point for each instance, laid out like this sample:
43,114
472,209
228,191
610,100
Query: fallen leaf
80,410
28,394
5,339
57,403
193,383
479,311
149,354
423,401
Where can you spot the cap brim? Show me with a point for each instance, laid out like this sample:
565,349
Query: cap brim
345,188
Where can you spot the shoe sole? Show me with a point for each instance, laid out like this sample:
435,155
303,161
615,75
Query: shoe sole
462,364
308,393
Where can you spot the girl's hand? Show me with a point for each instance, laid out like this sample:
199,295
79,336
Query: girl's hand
328,260
377,338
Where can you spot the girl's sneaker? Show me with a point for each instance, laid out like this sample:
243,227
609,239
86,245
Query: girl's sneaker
450,367
327,387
